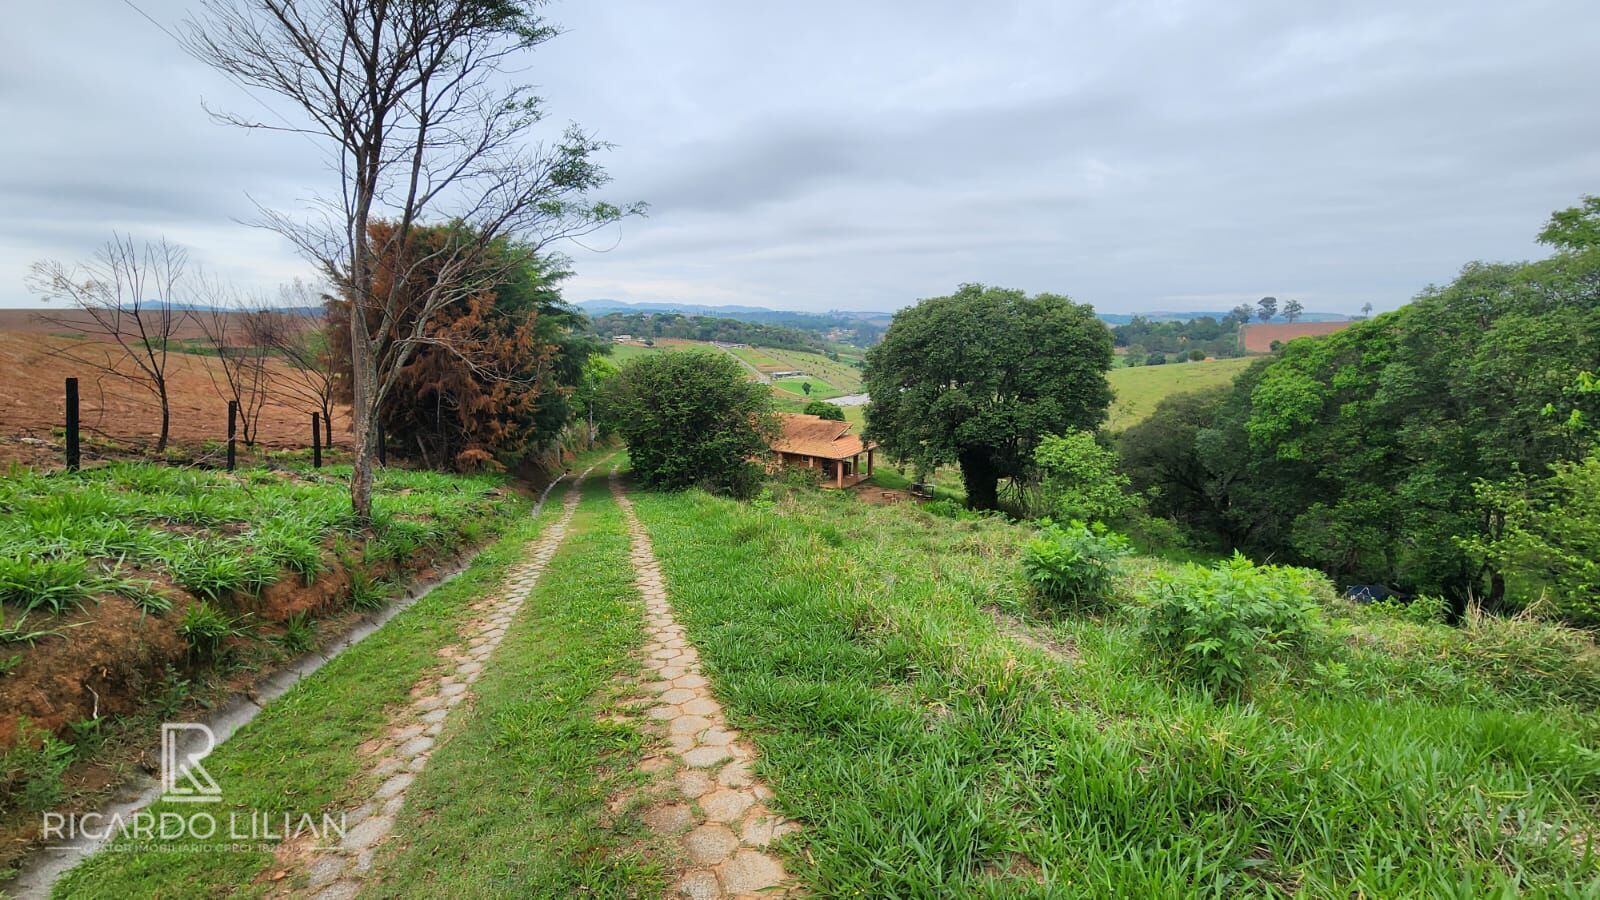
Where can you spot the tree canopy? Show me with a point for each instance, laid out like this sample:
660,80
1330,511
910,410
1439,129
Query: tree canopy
1363,452
979,377
491,385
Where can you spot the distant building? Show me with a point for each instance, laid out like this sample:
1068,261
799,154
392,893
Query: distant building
621,338
790,374
825,446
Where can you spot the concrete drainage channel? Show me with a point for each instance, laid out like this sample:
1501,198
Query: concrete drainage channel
43,868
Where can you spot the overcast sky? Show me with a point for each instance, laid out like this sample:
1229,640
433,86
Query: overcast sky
1171,154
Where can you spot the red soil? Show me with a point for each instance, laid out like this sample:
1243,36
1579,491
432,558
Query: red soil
1259,338
32,376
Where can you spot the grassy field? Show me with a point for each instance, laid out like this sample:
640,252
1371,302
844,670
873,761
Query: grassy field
935,731
1140,388
820,390
937,740
841,375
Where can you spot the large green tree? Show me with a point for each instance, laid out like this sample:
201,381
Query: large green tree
979,377
691,419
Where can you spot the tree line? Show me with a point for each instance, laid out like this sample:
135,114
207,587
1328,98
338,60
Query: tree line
654,325
1423,449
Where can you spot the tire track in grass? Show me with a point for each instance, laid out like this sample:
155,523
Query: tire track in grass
514,804
338,872
720,815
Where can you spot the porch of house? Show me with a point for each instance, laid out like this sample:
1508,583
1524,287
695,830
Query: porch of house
841,473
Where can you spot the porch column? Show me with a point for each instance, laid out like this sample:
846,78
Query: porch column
838,470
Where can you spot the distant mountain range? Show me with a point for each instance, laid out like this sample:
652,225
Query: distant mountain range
796,317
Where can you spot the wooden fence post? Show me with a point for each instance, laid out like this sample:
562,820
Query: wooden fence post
74,457
327,426
233,429
316,441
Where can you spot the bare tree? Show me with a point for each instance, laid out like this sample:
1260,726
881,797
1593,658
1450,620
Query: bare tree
228,328
406,97
297,331
128,296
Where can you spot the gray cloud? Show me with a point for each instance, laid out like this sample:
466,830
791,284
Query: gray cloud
1137,155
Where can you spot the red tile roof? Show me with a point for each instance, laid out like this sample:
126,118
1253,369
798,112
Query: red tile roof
815,436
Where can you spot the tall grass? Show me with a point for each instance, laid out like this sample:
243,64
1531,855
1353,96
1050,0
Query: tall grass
931,754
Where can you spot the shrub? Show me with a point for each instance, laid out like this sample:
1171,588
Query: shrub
691,419
1079,478
945,508
1424,609
1220,626
1072,565
822,409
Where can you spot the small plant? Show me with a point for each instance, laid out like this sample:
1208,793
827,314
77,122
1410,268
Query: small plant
31,770
205,628
291,544
299,634
367,592
214,570
17,632
1220,626
945,508
54,584
1073,565
146,595
169,699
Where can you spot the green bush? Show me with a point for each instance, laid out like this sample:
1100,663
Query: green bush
691,419
1219,627
1072,565
945,508
822,409
1079,479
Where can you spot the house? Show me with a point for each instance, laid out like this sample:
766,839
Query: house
621,338
824,445
787,373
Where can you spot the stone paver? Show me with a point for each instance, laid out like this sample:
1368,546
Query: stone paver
723,824
338,872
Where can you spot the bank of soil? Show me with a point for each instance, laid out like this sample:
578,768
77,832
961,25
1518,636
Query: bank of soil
110,673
